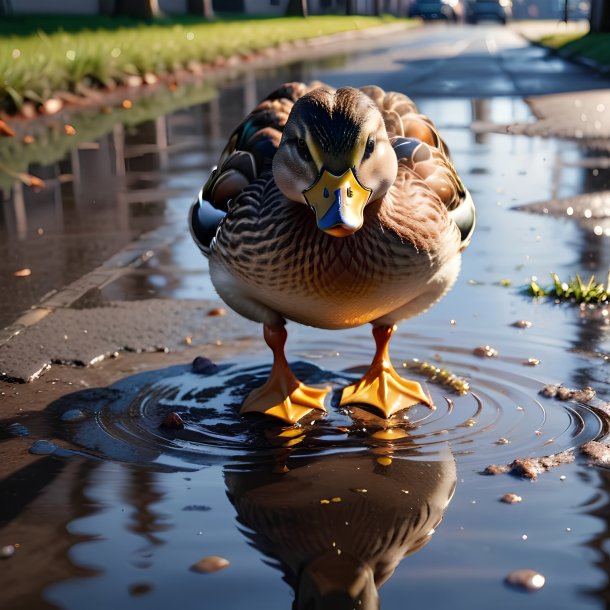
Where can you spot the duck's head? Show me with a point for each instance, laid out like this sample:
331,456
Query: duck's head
335,156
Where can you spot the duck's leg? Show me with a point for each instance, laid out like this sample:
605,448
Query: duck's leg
283,395
381,386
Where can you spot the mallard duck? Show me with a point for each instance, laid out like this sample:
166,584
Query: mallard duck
333,208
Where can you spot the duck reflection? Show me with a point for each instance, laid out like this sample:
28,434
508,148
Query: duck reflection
338,525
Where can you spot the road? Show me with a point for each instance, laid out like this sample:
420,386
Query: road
467,61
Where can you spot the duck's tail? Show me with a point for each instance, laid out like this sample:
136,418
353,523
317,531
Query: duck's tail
204,221
465,217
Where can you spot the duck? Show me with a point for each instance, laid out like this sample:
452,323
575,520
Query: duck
333,208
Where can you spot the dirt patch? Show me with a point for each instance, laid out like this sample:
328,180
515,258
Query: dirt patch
530,468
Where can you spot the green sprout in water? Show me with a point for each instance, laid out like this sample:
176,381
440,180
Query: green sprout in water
574,290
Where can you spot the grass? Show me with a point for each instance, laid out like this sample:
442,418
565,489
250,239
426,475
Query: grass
56,56
573,290
594,46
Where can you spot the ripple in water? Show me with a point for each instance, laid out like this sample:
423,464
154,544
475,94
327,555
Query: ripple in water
501,418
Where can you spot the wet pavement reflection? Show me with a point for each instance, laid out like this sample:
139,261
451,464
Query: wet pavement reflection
122,506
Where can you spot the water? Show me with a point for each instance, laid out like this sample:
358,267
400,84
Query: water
119,516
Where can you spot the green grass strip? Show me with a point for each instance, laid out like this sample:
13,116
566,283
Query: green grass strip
591,46
37,66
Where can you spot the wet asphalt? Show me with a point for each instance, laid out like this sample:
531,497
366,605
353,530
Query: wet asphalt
112,270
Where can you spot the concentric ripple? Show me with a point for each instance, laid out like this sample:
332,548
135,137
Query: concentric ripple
501,418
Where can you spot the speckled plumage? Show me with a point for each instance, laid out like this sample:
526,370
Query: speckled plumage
269,260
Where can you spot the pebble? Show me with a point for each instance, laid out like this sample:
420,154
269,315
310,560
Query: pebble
218,311
203,366
209,564
528,580
485,351
73,415
173,421
43,448
17,429
531,362
511,498
522,324
7,551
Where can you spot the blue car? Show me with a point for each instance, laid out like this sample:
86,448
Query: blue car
451,10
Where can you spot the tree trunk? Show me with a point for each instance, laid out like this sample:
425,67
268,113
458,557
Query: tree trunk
600,16
378,8
200,7
350,7
297,8
138,9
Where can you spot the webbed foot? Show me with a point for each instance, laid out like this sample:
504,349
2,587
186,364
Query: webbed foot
381,386
283,395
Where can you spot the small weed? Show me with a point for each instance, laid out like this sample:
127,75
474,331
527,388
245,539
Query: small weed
574,290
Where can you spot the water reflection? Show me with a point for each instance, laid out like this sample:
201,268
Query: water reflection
337,526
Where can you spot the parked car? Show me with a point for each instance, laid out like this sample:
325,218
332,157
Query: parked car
450,10
488,10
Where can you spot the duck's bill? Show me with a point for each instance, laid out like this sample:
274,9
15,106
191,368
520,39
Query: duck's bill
338,202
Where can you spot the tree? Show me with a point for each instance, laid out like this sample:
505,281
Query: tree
138,9
200,7
378,8
350,7
297,8
599,18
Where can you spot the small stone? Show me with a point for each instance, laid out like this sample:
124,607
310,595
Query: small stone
511,498
564,393
217,311
173,421
213,563
531,362
528,580
384,461
522,324
563,477
23,272
17,429
585,395
73,415
203,366
494,469
502,441
549,390
485,351
598,452
69,130
52,106
7,551
43,448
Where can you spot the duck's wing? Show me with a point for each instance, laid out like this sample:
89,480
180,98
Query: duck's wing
421,151
248,153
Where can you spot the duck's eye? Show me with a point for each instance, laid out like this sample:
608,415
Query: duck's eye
303,150
370,147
